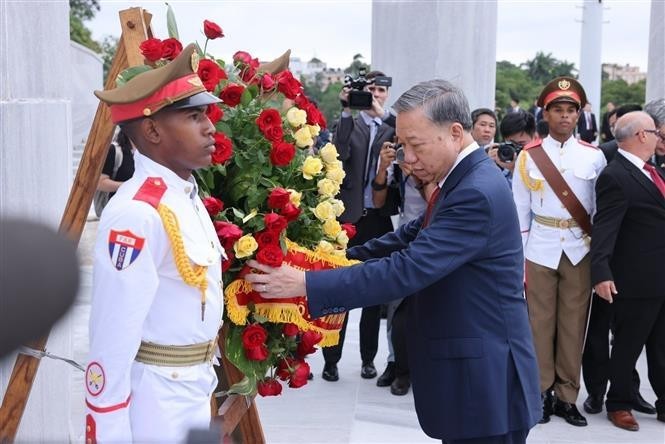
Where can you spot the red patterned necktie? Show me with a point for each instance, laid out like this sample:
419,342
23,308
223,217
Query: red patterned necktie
660,183
430,206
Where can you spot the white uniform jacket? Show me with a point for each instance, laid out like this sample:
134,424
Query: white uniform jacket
579,164
138,295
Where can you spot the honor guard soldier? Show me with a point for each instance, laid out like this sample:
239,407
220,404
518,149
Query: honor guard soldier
157,279
553,188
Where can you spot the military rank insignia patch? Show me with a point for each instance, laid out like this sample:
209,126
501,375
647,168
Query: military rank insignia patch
124,248
95,379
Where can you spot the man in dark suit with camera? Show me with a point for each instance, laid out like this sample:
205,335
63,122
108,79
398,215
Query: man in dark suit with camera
358,140
627,257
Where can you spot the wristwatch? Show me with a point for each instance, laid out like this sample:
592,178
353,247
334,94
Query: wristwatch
379,187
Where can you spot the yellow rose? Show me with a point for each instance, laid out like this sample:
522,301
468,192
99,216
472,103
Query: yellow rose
325,247
335,174
324,211
338,206
340,253
332,228
296,117
303,137
245,246
311,167
329,153
314,130
342,239
294,197
328,188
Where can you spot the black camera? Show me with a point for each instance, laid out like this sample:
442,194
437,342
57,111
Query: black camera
358,97
508,151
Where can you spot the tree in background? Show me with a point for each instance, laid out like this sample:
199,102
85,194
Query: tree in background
543,68
621,93
81,11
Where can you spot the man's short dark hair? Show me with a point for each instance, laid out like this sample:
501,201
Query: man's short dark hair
370,75
543,129
476,113
517,122
629,108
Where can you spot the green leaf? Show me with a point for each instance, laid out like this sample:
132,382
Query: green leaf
130,73
224,127
267,183
260,319
171,24
253,90
245,387
237,213
246,97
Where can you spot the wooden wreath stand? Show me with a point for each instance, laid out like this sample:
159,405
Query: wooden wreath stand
237,415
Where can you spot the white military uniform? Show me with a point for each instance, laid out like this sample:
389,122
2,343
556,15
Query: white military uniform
580,166
139,295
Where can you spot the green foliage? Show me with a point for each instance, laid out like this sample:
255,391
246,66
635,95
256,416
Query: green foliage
543,68
327,99
621,93
79,33
109,48
83,9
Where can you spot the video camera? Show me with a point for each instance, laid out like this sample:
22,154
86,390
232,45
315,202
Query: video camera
508,151
358,97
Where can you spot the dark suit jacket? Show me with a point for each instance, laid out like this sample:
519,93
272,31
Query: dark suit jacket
588,134
628,242
352,139
609,149
471,355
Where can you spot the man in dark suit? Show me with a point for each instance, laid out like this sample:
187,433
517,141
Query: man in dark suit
587,128
471,356
609,149
656,109
627,257
605,130
358,141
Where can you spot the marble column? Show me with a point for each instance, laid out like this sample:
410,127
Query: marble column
36,172
656,63
590,75
422,40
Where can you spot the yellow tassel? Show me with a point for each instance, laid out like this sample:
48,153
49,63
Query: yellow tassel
312,256
533,185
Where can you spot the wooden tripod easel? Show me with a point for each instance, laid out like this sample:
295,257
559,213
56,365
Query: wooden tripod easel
236,411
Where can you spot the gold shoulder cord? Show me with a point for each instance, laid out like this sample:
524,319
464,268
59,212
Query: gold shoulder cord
195,276
533,185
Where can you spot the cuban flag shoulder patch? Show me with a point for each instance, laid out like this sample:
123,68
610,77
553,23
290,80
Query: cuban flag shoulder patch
124,248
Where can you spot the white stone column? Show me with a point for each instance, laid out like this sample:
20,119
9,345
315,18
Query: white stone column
590,53
36,172
656,63
454,41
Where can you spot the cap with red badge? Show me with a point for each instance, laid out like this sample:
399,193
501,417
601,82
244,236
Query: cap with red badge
562,89
173,86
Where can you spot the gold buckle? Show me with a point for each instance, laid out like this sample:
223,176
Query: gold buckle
563,223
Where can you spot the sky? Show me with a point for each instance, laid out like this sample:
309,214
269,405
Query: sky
334,31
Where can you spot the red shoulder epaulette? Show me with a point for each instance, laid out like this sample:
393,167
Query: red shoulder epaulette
587,144
151,191
534,143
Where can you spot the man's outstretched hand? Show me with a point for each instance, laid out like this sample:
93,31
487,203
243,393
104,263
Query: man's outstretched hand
277,283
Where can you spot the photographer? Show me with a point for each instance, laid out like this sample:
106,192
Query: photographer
517,129
358,140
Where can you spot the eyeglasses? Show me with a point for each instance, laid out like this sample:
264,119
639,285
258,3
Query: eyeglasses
655,132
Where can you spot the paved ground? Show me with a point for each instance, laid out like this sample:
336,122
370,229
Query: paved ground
354,410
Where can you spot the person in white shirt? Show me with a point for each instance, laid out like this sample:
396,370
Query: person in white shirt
556,247
157,279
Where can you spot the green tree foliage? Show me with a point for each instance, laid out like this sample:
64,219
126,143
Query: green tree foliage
543,68
108,48
356,66
80,11
621,93
327,98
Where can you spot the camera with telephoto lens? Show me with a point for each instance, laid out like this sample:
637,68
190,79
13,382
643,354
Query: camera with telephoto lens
508,151
358,97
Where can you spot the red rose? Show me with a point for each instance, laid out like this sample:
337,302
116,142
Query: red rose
268,118
259,353
290,330
267,82
212,30
308,341
273,134
269,387
266,237
270,255
254,335
300,375
242,57
214,113
213,205
171,48
284,368
226,264
210,74
223,149
290,212
275,222
227,233
350,230
151,49
248,75
314,116
288,85
278,198
282,153
302,101
231,94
